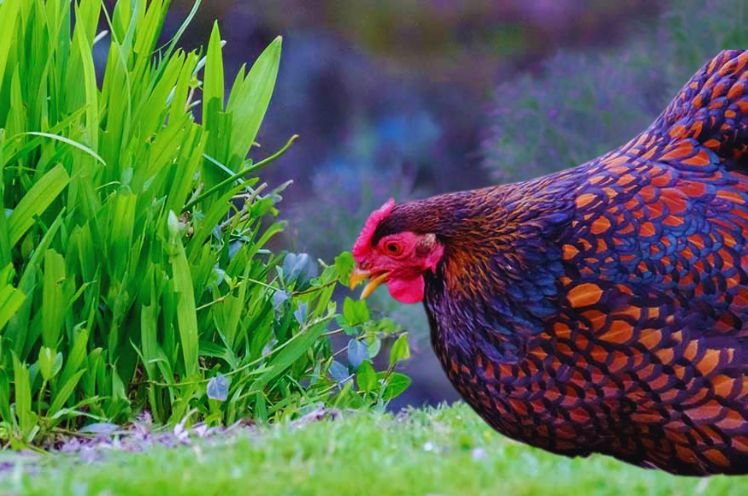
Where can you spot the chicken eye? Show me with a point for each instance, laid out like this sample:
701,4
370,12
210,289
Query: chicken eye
393,248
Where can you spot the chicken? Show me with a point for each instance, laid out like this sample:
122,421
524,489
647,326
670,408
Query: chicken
601,309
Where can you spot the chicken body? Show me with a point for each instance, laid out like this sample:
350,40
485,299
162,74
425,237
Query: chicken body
605,308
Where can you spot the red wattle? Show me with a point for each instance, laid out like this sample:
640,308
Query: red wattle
407,290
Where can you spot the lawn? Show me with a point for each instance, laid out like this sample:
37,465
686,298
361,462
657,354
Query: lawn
447,450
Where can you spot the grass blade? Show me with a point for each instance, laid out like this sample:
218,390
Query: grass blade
249,100
8,10
22,384
36,201
186,318
65,392
11,300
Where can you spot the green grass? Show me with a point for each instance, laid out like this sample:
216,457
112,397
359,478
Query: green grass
433,451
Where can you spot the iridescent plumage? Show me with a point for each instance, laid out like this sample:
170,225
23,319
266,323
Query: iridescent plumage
605,308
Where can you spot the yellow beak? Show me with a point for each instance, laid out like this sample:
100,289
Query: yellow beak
359,275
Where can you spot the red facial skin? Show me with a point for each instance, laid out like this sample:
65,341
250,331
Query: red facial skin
406,256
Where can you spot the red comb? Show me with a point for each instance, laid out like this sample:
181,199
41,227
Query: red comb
362,245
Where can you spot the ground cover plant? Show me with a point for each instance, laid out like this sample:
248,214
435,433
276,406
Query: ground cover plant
441,451
134,268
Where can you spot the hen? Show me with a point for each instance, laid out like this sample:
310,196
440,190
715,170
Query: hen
603,308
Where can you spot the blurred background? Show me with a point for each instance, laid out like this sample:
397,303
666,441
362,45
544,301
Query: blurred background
408,98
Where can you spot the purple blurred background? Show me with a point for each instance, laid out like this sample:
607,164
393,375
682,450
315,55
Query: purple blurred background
407,98
397,87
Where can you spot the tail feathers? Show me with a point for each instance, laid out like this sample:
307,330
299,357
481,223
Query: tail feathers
712,108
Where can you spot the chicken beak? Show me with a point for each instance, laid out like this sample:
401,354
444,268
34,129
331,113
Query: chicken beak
359,275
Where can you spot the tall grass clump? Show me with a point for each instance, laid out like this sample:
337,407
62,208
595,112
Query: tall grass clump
134,272
585,103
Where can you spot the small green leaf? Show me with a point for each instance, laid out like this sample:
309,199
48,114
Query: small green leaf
388,326
355,312
396,384
400,350
344,264
374,344
366,377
